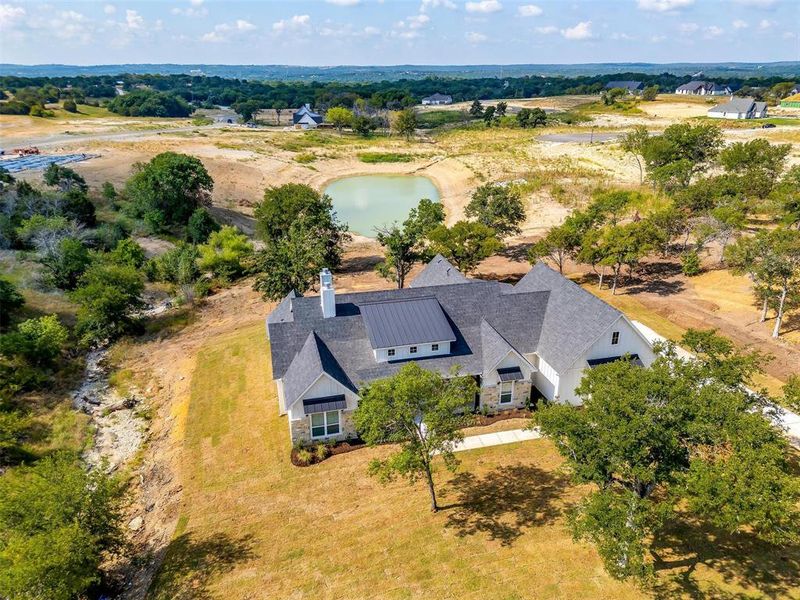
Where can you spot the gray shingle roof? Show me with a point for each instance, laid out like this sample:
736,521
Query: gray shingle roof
575,318
544,313
625,85
405,322
737,105
438,272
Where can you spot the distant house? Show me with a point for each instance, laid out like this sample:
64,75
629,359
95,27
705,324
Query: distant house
305,118
704,88
739,108
437,99
632,87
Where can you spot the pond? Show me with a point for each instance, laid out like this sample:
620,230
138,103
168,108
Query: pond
368,201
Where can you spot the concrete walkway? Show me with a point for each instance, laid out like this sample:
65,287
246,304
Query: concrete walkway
497,439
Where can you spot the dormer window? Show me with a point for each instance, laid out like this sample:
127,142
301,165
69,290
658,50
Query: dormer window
390,352
434,347
614,338
412,350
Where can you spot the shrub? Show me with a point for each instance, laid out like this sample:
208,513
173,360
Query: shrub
304,456
690,264
224,254
10,300
128,252
41,340
305,158
70,106
201,224
321,452
385,157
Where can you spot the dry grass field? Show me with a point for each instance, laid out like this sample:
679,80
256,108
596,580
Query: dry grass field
253,526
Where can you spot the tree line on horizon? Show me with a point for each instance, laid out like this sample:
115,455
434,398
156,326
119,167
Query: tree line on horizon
183,91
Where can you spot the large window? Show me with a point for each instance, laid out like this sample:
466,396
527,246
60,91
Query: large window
325,424
614,338
506,392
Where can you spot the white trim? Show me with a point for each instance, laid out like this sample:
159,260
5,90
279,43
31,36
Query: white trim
522,358
313,383
325,424
500,396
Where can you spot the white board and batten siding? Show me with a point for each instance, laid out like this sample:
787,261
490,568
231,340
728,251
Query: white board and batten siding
404,352
546,378
631,341
323,387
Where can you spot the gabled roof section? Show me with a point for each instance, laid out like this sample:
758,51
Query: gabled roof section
625,85
406,322
737,105
574,318
313,360
283,312
438,272
493,345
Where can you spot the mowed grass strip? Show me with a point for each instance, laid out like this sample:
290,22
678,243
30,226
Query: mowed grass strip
254,526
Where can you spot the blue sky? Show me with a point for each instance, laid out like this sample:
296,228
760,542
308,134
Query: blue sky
330,32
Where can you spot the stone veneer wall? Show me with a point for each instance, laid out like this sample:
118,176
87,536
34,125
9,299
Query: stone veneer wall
300,430
490,397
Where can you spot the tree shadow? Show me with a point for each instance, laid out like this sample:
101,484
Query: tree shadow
688,544
228,216
504,502
359,264
517,252
660,278
190,565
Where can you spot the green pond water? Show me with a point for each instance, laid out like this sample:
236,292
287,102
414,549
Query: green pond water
368,201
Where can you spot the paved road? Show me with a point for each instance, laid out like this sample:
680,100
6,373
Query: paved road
562,138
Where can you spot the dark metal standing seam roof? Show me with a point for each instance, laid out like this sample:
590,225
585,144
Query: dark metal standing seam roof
406,322
510,374
318,405
633,358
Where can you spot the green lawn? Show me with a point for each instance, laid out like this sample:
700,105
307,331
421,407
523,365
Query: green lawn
254,526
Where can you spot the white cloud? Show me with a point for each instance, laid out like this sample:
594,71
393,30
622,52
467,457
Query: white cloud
10,15
405,35
190,11
473,37
417,21
133,19
212,37
483,6
426,4
547,29
344,2
109,9
765,24
712,32
581,31
371,31
663,6
656,39
196,2
242,25
529,10
688,28
622,36
739,24
295,23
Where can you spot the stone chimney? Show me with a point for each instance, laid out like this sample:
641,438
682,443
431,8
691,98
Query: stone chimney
327,295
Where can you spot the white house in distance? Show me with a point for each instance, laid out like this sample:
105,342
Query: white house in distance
520,342
305,118
437,99
739,108
703,88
